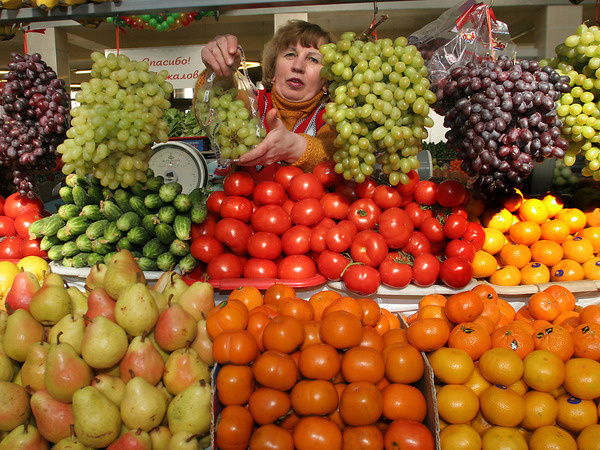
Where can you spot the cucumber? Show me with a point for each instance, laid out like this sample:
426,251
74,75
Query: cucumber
68,211
146,264
95,193
48,242
107,193
109,256
102,248
153,248
121,197
84,244
136,254
73,180
164,233
63,234
153,184
166,261
153,202
188,263
138,206
110,210
112,233
182,203
182,227
179,248
69,249
128,220
55,252
53,224
139,189
94,259
96,229
124,244
77,225
198,213
149,222
81,197
95,181
36,228
198,195
138,236
169,191
67,262
167,214
91,212
66,193
80,260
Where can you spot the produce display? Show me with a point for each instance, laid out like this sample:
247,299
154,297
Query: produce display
181,123
117,365
17,213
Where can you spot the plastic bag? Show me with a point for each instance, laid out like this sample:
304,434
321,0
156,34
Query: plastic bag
227,111
467,32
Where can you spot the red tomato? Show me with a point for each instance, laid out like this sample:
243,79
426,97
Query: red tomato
260,268
325,172
364,214
426,193
386,197
426,269
368,247
451,193
239,183
296,267
308,211
475,234
347,188
396,227
459,247
395,272
264,245
366,188
214,201
456,272
22,222
406,199
461,210
417,214
7,226
287,206
234,234
362,279
317,238
284,175
236,207
455,226
16,204
11,248
206,228
305,185
225,265
417,244
269,193
408,435
205,248
339,237
433,229
409,189
332,264
272,218
296,240
31,247
335,206
1,205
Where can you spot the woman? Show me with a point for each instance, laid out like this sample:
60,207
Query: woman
292,105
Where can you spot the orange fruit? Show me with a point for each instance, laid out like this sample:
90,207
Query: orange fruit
574,217
526,232
484,264
513,254
249,295
494,240
515,338
546,252
555,339
592,214
554,203
500,366
502,406
506,308
506,276
582,378
592,234
504,438
459,436
498,218
535,210
590,314
568,320
513,201
523,314
429,311
540,410
574,414
428,334
470,337
451,365
578,249
477,382
543,371
586,338
463,306
486,292
565,297
457,403
591,268
432,299
486,322
555,230
543,305
551,436
587,439
566,270
491,310
535,273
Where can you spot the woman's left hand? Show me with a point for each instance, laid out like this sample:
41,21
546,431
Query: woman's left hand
279,144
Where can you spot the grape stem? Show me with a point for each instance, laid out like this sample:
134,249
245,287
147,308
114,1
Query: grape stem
367,35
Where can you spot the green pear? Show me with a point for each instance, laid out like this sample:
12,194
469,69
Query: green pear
160,299
22,330
97,419
142,359
160,437
53,418
70,443
198,299
66,372
165,279
78,300
104,343
202,343
144,406
136,310
174,289
183,440
121,272
190,410
33,369
3,319
8,367
96,276
132,439
53,279
71,329
50,304
184,368
17,379
164,355
24,437
111,386
14,405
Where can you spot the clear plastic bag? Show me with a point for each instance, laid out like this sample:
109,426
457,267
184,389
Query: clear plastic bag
467,32
227,110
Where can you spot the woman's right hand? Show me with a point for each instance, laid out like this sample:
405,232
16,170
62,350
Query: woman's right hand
222,55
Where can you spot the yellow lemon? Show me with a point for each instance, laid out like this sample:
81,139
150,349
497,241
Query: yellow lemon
8,271
36,265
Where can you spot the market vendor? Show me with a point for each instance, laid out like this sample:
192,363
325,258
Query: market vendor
293,101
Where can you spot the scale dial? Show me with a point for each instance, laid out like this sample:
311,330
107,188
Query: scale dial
180,162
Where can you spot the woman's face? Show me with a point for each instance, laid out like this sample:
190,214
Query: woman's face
298,73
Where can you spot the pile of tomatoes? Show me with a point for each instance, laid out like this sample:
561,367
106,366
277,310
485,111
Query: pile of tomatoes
299,225
16,214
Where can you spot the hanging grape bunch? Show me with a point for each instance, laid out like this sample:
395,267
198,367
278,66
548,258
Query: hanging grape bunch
34,121
120,117
578,58
379,105
502,118
160,22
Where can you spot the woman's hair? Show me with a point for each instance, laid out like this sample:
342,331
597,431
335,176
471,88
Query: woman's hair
295,31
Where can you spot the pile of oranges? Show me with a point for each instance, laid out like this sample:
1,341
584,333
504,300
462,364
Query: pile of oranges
537,240
529,377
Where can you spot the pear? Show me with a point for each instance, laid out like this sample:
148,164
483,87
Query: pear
183,440
104,343
175,328
202,343
24,285
53,279
160,299
121,272
3,318
96,276
198,299
174,289
78,300
97,419
50,304
165,279
136,310
100,304
133,439
66,372
34,368
160,437
111,386
71,329
24,437
144,406
52,417
70,443
7,368
22,330
184,368
143,359
164,355
14,405
190,410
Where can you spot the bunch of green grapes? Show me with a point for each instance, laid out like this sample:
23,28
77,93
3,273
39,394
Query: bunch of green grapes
380,105
579,58
225,117
119,118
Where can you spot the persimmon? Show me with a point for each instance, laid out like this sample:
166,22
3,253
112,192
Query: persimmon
362,364
229,315
276,370
403,363
341,329
235,384
319,361
371,338
267,405
361,403
316,433
428,334
314,397
235,427
235,347
284,334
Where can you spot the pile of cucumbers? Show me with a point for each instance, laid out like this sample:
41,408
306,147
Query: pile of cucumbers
153,220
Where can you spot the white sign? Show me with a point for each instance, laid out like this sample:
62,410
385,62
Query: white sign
183,62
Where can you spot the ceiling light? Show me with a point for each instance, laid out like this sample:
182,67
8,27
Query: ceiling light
3,72
83,71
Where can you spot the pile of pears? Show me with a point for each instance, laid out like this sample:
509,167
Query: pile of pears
119,365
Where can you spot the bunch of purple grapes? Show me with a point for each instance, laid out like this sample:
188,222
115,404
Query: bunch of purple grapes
34,122
502,119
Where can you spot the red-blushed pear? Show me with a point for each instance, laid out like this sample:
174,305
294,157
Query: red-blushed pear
24,285
22,330
111,386
96,276
24,437
202,343
160,437
34,368
163,354
165,279
175,328
143,359
14,406
132,440
66,372
100,304
184,368
198,299
52,417
121,272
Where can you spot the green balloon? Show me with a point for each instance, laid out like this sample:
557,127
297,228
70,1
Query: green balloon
153,22
160,19
170,20
146,17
